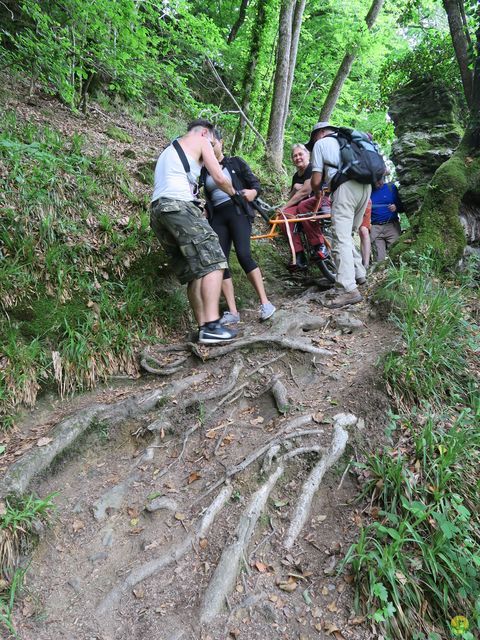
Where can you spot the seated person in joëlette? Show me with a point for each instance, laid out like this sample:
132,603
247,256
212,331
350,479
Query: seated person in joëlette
300,202
231,218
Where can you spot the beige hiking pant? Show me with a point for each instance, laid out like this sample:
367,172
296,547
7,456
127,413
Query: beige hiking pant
349,202
383,236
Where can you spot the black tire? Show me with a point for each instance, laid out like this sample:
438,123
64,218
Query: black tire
327,267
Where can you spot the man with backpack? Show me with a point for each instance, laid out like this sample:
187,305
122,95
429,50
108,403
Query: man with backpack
349,163
188,240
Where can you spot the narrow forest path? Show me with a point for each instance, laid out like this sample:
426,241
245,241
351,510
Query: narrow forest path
215,502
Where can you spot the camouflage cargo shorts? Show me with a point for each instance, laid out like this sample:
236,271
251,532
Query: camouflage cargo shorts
190,243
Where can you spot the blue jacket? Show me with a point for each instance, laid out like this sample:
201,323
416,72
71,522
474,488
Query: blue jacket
381,198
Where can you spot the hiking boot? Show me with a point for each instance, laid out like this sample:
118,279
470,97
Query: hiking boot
230,318
266,311
214,333
361,280
345,299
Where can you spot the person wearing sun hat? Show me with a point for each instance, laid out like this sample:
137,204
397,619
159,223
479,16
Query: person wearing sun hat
315,134
349,202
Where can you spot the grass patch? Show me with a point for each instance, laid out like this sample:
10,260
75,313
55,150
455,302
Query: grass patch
82,281
417,566
115,133
21,519
435,359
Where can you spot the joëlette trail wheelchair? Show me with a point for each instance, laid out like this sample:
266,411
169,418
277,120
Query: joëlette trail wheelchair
275,217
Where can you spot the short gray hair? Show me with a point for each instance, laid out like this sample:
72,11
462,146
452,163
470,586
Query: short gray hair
299,145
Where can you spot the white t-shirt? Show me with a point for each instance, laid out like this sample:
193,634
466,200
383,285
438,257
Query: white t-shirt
170,180
326,152
217,196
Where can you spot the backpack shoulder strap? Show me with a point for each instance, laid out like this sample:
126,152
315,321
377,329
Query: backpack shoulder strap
181,155
185,163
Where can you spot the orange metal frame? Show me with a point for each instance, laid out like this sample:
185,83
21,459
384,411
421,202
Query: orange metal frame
274,222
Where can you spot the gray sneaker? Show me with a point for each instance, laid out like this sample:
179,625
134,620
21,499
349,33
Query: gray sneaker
230,318
266,311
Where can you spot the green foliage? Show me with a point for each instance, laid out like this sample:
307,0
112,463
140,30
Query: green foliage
20,513
19,521
418,564
81,286
432,362
7,602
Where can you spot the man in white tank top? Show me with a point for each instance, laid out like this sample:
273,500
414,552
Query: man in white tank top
190,243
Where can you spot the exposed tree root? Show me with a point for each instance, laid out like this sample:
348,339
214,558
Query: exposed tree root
281,341
153,363
312,294
173,554
310,486
223,579
36,460
258,453
113,498
279,392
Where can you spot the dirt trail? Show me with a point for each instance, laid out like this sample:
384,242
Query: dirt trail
149,508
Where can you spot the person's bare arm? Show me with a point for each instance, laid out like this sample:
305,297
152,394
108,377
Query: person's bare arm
214,168
299,195
316,182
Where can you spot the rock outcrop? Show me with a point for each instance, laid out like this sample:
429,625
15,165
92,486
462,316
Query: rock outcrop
428,130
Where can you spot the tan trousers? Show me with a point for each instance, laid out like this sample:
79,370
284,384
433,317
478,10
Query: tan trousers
348,206
383,236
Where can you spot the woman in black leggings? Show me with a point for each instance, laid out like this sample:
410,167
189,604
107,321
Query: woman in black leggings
232,220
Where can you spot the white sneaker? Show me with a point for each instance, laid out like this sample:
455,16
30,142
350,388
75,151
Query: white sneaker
230,318
266,311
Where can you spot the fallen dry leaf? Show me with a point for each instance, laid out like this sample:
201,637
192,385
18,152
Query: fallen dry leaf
3,509
203,543
330,627
288,586
180,516
262,567
193,477
332,607
139,593
357,620
258,420
44,441
77,525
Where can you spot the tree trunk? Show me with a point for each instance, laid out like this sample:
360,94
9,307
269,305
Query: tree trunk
291,13
297,26
239,21
249,76
460,44
346,66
